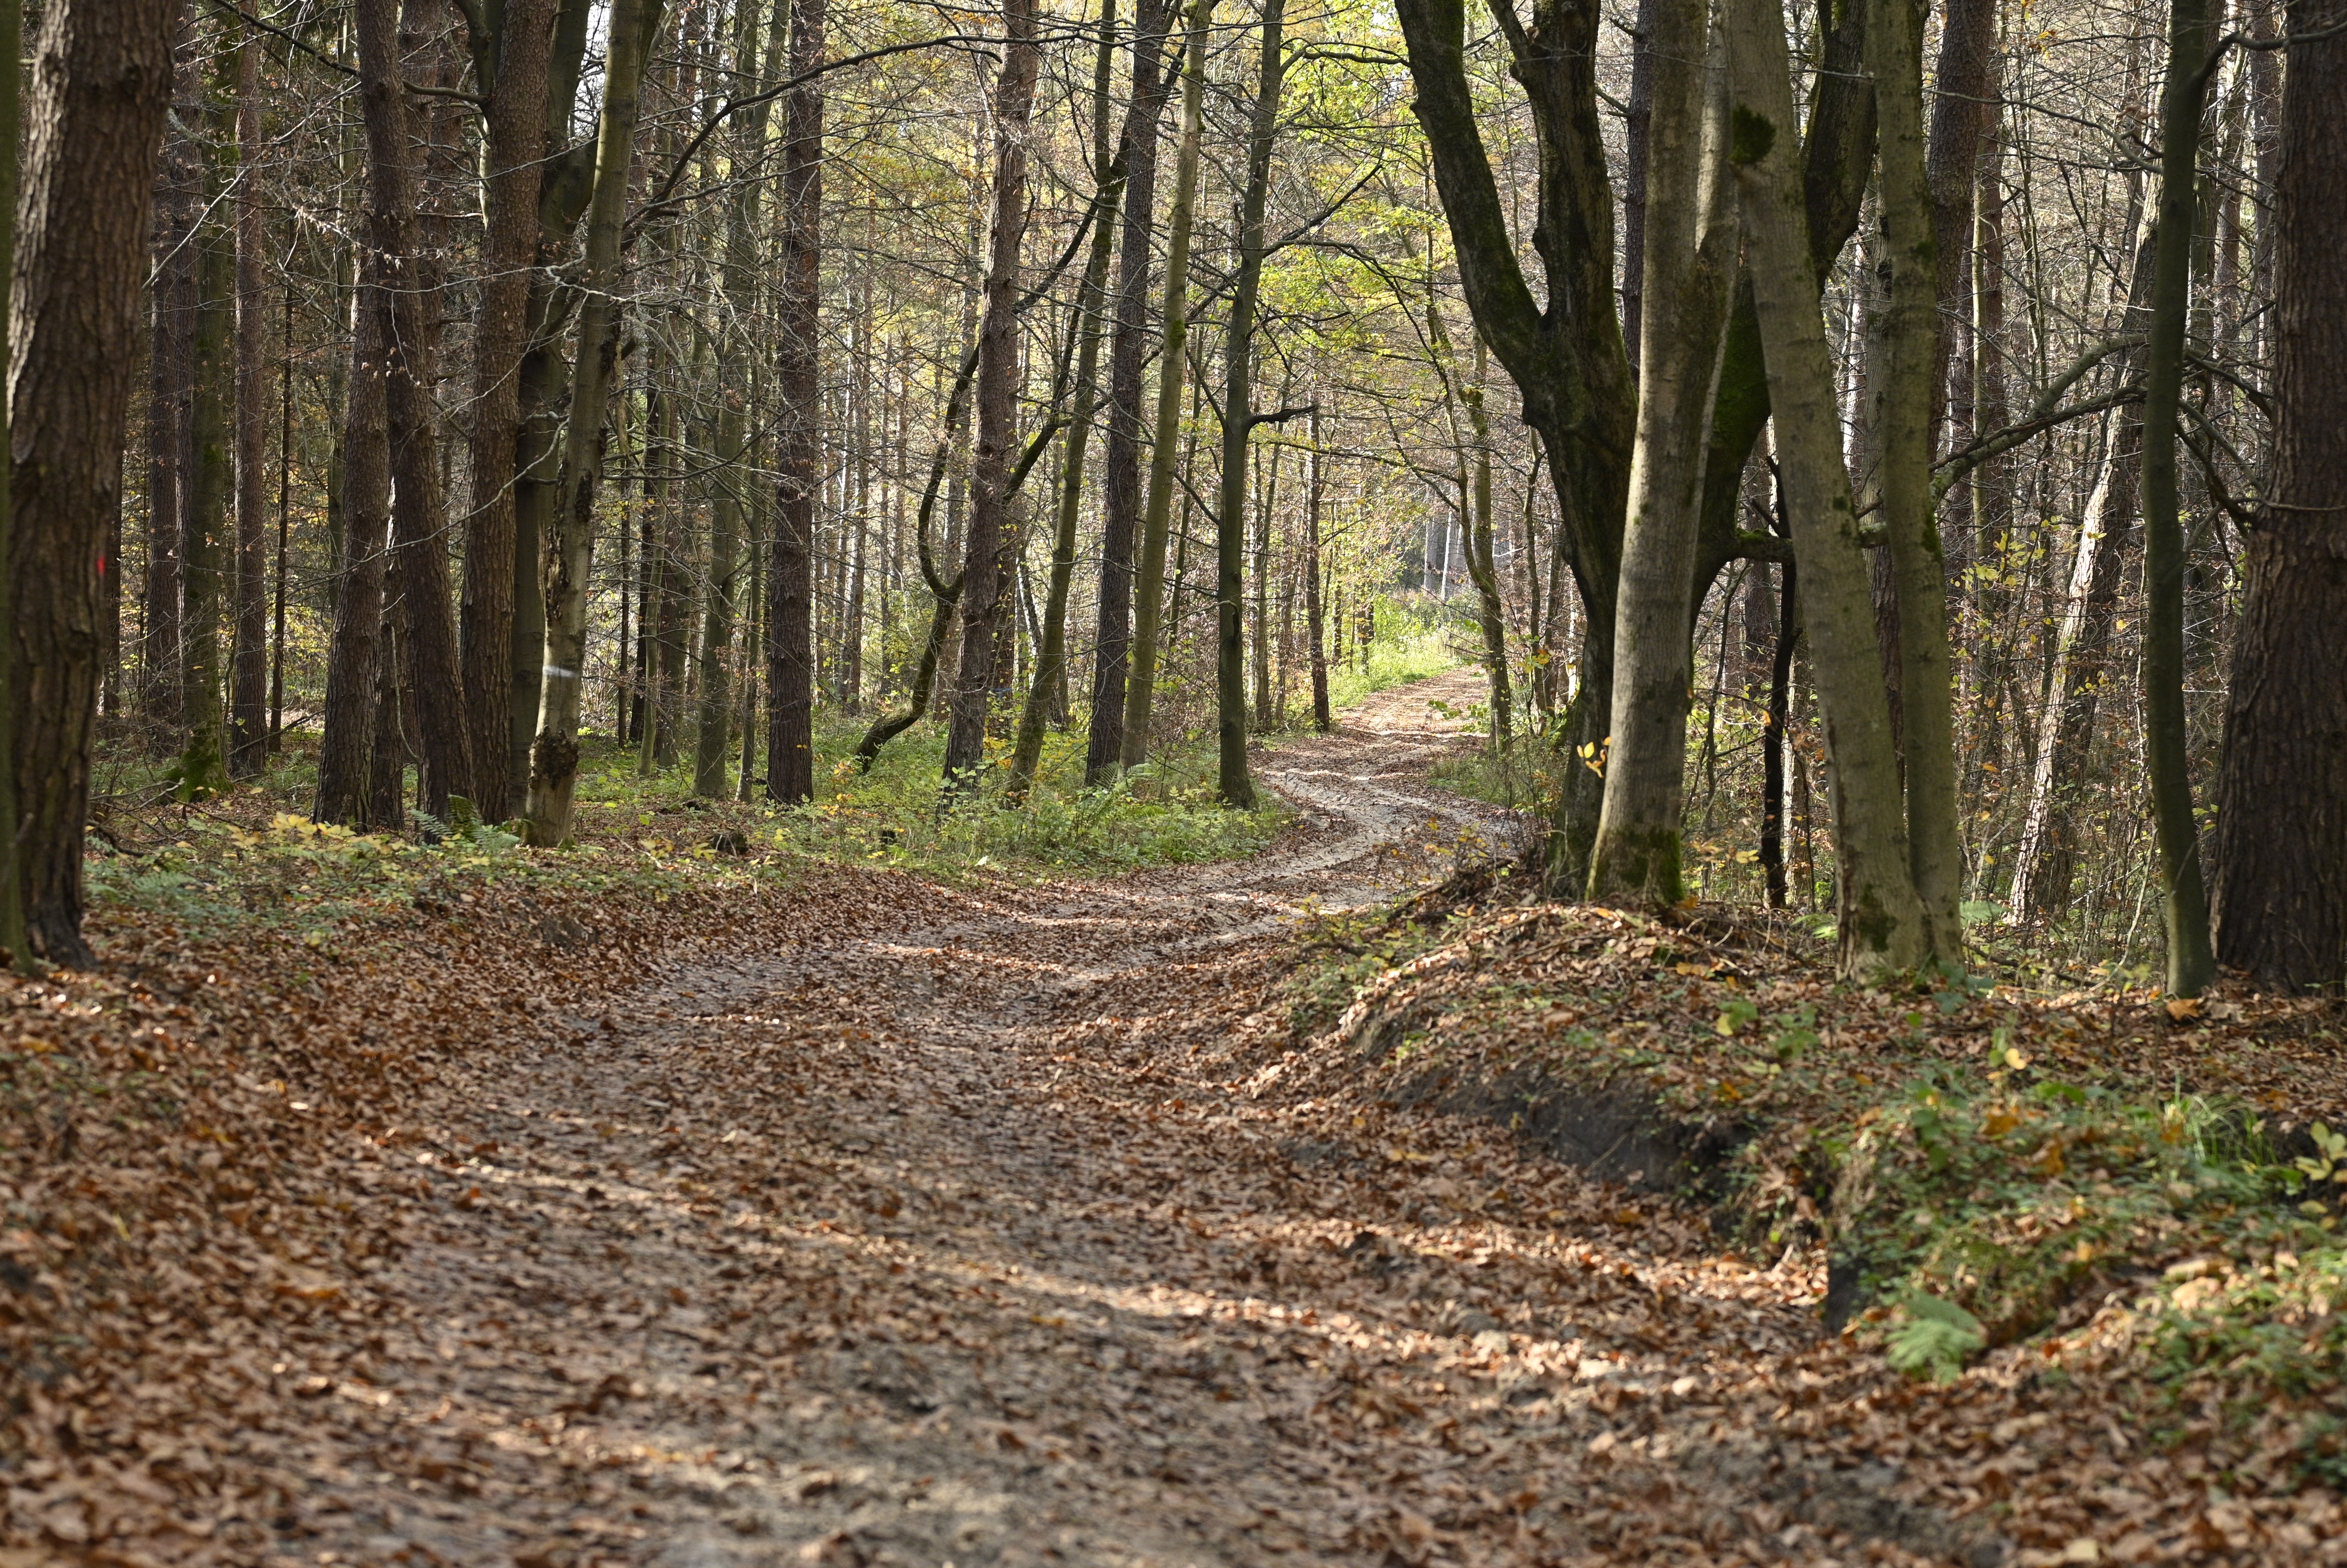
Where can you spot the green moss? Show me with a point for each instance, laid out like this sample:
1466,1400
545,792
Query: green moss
1751,136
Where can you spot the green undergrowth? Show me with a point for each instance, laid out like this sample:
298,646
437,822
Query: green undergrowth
2106,1188
1409,645
1164,812
250,860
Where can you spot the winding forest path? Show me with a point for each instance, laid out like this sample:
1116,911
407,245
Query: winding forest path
958,1238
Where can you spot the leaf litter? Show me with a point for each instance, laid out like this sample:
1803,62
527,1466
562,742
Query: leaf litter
835,1215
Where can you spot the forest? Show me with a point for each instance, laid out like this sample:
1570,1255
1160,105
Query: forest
521,384
1689,649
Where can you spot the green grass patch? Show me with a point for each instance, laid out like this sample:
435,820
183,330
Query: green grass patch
1409,646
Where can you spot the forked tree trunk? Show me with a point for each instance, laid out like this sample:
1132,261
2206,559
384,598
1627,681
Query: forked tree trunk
1689,263
101,78
554,752
1879,918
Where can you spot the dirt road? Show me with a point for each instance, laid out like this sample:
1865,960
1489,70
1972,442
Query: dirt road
963,1236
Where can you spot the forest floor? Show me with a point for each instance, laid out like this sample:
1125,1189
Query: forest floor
900,1223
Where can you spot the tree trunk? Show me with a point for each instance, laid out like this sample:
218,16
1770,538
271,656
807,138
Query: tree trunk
355,654
101,79
1120,501
247,748
1483,564
1232,785
420,564
2281,812
554,752
565,185
1908,396
738,276
2191,962
1563,353
990,551
512,58
1315,619
1688,265
1879,919
790,582
1173,363
1963,85
203,767
2048,855
1049,677
178,194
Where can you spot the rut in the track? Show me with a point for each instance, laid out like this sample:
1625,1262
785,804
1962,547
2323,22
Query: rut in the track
960,1241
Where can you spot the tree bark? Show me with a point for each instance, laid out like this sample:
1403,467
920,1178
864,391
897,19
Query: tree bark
565,185
178,194
203,765
1232,783
790,579
1173,363
738,274
248,747
1879,918
355,654
1314,628
1047,679
1122,492
1563,353
2282,811
420,564
1963,85
554,752
988,552
1689,260
101,79
1914,344
512,57
2191,961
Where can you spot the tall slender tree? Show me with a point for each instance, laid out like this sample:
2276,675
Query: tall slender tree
1239,420
2191,959
249,659
790,578
989,562
554,754
1173,363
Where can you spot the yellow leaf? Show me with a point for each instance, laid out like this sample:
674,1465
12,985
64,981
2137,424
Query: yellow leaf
2181,1008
